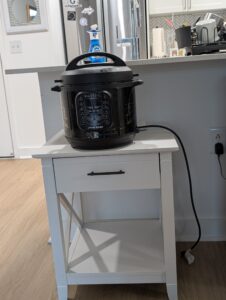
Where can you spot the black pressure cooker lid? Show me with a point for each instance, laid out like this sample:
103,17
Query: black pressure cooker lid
117,71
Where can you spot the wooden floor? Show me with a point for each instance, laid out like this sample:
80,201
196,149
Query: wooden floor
26,269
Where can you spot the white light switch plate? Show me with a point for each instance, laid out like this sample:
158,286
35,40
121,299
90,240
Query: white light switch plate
15,47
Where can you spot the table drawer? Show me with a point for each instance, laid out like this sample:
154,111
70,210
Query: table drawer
107,173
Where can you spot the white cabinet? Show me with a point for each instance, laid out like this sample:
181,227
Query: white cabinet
194,5
23,93
164,6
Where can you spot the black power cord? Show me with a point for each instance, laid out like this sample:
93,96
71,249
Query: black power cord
221,169
187,253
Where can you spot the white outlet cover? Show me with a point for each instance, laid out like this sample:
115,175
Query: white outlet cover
15,47
217,135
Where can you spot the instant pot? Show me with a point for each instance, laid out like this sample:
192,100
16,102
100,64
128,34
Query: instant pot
98,102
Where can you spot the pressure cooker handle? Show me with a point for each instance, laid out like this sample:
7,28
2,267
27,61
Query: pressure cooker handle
56,88
73,65
137,82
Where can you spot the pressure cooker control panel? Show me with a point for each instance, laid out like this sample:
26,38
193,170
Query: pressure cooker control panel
94,110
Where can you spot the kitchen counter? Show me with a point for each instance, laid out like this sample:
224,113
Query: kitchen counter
141,62
177,59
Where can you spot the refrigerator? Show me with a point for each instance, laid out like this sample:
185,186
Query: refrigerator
122,25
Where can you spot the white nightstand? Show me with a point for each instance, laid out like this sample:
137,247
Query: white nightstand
112,251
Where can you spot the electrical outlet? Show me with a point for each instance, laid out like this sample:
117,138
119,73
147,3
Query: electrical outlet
15,47
217,135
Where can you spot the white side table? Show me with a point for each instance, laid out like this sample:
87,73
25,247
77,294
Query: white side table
114,251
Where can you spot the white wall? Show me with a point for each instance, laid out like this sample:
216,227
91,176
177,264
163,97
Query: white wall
190,98
40,49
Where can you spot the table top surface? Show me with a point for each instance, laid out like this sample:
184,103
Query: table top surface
147,141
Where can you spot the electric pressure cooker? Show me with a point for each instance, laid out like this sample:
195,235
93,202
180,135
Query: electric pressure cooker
98,102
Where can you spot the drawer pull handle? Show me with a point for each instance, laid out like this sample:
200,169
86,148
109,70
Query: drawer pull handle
106,173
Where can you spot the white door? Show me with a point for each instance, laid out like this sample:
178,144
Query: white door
205,4
166,6
6,147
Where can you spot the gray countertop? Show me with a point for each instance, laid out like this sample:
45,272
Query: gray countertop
141,62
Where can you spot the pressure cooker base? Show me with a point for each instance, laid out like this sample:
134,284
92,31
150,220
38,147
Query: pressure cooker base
101,144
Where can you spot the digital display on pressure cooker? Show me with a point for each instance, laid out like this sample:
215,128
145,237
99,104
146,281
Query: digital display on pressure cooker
93,110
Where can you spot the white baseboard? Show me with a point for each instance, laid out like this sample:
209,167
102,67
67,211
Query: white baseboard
213,229
208,225
24,153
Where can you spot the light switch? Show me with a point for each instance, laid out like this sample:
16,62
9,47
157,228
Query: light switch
15,47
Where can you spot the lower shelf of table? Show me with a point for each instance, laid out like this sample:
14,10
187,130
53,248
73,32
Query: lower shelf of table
117,252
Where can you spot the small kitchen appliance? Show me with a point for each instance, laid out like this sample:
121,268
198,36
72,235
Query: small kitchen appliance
183,38
219,20
207,31
98,102
209,35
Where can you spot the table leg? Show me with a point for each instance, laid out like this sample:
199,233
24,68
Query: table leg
168,224
172,291
56,229
62,292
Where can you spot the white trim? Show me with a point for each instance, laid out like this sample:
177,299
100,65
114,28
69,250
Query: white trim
7,104
191,233
148,30
26,28
25,152
213,229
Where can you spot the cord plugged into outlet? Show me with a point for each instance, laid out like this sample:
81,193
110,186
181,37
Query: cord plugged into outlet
187,254
219,151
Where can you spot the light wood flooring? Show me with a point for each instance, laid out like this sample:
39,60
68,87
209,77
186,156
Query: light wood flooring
26,268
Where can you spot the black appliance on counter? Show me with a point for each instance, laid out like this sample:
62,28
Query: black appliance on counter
98,103
209,48
183,37
205,41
